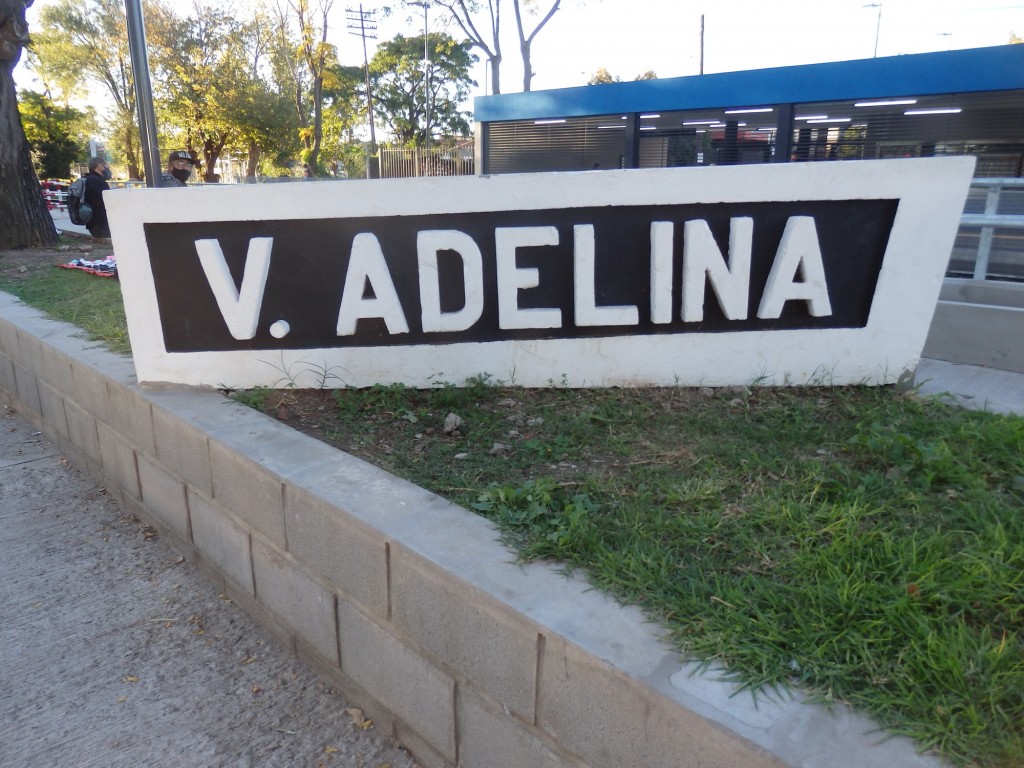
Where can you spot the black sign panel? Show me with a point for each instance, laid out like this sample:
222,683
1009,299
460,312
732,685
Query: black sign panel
310,260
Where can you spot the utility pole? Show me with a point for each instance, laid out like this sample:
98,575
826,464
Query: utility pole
365,23
702,44
878,24
143,91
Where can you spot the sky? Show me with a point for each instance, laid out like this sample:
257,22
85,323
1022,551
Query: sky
630,37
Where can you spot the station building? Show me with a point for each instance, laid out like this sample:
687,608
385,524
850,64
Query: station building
965,102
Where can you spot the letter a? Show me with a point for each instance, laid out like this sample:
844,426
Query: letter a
366,265
240,309
799,254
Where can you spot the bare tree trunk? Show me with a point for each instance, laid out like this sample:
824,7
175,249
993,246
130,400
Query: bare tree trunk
253,160
526,40
24,219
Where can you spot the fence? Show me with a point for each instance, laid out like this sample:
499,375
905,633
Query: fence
990,243
456,160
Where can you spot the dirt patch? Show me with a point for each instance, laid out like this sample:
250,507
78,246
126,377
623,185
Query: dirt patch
23,263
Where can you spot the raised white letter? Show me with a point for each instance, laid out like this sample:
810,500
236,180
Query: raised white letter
702,256
586,310
428,244
662,233
366,265
799,253
511,279
240,309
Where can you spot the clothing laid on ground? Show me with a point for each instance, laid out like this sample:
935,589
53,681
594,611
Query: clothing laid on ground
95,186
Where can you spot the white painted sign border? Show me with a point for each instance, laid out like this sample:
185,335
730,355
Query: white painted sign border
931,194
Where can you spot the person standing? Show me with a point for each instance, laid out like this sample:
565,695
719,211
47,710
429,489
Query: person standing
95,185
179,169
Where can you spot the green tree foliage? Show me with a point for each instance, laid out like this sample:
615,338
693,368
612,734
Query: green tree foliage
603,76
397,73
344,113
55,134
206,75
83,44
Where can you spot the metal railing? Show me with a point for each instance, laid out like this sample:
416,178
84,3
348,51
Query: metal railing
990,242
456,160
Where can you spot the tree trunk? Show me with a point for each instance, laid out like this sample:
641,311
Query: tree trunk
253,160
495,62
524,49
24,219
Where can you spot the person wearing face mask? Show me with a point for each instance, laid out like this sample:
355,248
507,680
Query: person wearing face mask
179,169
95,186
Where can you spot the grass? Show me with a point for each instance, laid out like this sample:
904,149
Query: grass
93,304
861,544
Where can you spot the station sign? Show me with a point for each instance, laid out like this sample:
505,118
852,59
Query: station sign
789,274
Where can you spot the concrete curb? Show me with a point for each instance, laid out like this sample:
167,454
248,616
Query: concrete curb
405,602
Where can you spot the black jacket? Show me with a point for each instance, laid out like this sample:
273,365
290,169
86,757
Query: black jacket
95,186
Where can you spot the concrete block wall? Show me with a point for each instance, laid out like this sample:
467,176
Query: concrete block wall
405,602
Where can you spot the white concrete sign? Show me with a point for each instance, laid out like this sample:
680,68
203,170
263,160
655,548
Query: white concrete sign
788,274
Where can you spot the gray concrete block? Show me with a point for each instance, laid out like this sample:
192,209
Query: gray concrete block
91,390
82,431
118,459
344,551
8,331
249,491
56,371
491,738
610,719
183,449
418,692
7,382
51,404
221,541
30,351
296,599
132,415
163,494
466,629
26,389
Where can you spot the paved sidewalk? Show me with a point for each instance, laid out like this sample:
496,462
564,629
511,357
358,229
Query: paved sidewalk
972,386
114,652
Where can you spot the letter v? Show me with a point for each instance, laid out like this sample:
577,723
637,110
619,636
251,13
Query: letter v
240,309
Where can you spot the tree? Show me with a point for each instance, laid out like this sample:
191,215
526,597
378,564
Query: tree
316,54
462,12
603,76
526,40
26,221
204,77
83,43
54,133
397,75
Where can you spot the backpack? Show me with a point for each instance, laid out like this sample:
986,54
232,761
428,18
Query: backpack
79,211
